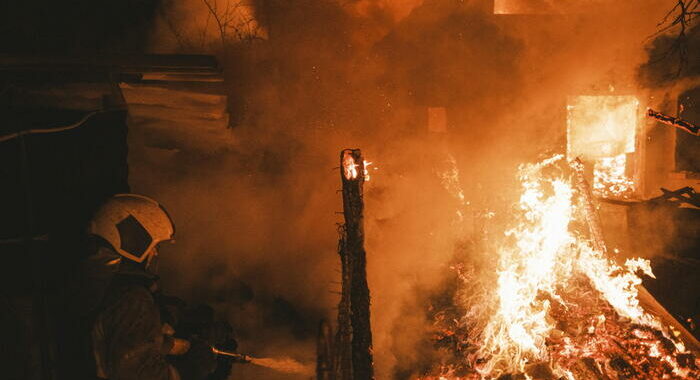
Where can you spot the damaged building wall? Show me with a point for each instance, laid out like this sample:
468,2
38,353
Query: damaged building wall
64,147
60,161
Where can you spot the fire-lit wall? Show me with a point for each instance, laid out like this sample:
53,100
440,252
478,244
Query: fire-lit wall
669,160
602,130
631,156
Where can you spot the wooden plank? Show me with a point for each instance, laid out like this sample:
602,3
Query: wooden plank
194,116
182,136
164,97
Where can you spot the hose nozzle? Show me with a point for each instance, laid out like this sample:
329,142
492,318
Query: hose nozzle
237,358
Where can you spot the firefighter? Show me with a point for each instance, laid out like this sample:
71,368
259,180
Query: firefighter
130,338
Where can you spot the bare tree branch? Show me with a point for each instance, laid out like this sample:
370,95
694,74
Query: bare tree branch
680,17
173,28
233,20
219,22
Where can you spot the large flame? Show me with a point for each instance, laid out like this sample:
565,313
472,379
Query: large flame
350,168
538,260
539,264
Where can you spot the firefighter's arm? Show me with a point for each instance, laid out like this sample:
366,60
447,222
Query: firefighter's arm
136,347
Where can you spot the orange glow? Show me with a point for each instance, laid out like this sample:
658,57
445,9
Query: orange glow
365,170
524,7
610,179
601,126
602,130
349,166
537,262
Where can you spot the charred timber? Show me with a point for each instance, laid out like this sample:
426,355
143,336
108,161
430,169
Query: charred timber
685,125
342,362
590,211
355,299
683,195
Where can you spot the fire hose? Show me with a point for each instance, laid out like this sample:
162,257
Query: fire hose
285,365
237,358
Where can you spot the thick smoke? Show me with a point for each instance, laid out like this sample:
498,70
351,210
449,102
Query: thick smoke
256,221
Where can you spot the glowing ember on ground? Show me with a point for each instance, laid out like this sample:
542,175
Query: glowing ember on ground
557,309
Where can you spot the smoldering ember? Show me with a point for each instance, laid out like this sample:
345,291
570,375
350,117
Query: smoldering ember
350,190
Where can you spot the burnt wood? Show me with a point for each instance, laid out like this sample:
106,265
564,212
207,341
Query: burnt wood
355,301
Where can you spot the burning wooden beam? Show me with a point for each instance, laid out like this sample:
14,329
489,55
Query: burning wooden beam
590,211
685,125
646,299
354,331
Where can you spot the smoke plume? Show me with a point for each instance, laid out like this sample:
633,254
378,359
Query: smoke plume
256,221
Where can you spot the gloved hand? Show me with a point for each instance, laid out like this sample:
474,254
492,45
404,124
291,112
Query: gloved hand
199,361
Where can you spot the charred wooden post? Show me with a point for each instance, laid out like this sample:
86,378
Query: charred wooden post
343,343
353,317
679,123
646,299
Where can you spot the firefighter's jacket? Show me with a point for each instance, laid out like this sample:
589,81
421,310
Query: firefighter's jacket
127,335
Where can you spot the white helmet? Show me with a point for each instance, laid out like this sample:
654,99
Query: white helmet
133,224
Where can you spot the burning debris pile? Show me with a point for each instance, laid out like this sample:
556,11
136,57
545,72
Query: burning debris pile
557,307
610,179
